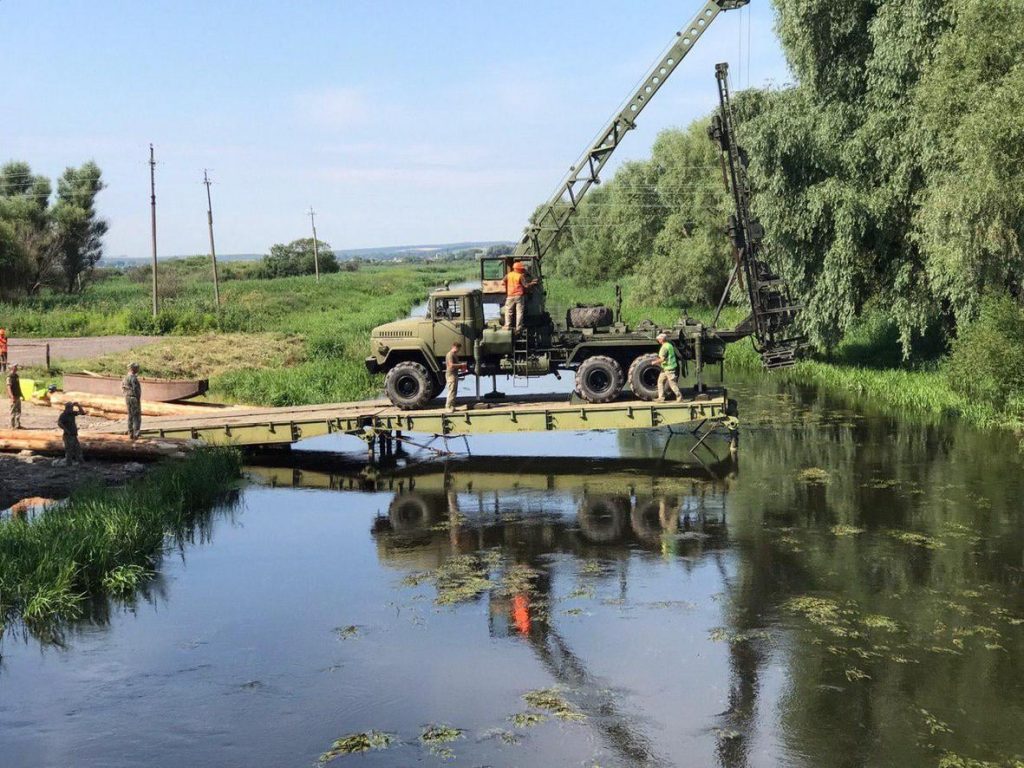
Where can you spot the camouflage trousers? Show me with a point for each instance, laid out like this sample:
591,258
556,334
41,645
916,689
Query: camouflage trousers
73,450
453,389
134,416
16,413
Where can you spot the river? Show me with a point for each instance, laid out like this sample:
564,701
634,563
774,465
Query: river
847,592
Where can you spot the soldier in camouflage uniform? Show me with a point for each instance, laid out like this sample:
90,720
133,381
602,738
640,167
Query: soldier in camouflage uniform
14,393
133,399
68,425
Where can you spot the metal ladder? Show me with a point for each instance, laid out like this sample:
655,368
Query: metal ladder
520,359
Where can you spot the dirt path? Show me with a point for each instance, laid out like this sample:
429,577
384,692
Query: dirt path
33,351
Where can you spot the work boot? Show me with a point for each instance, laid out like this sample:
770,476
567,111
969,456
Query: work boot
659,399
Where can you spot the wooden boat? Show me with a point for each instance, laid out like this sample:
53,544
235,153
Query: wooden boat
160,390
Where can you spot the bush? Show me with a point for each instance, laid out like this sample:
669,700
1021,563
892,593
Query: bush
987,358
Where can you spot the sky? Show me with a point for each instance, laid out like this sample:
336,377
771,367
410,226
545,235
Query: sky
398,121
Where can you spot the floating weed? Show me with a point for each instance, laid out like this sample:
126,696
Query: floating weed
416,578
580,593
458,579
518,579
845,530
591,568
347,633
551,700
854,674
357,742
721,634
527,719
573,612
813,475
917,539
681,605
933,724
433,735
953,760
878,621
506,737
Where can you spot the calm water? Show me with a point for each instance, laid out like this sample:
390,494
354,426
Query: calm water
847,593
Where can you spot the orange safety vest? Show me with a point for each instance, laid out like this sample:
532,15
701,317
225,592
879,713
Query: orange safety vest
3,343
514,283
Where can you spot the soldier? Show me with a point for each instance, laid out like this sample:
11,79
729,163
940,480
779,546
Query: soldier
68,425
3,350
669,362
516,285
133,399
14,393
452,369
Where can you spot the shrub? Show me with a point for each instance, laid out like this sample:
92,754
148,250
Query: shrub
987,358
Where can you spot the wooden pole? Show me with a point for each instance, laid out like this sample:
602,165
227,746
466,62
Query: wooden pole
152,205
213,250
316,250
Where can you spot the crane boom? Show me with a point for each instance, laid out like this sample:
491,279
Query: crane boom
555,214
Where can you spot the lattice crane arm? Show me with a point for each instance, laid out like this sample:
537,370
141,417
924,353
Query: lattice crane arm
552,218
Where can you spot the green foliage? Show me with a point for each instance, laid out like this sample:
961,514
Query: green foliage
987,358
297,258
43,245
104,541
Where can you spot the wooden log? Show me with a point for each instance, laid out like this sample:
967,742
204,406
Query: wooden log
93,444
104,405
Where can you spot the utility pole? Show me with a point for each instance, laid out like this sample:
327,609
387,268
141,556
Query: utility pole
316,249
152,205
213,250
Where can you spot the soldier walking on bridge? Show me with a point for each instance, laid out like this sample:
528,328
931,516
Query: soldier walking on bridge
668,359
133,400
14,393
516,285
68,425
452,369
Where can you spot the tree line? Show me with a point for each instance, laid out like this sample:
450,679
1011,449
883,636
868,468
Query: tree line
886,177
46,239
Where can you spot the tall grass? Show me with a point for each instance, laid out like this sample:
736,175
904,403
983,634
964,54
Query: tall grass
103,541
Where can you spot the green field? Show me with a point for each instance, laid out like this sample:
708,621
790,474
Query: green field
289,341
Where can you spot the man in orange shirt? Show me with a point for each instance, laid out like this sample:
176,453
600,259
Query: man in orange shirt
3,350
516,285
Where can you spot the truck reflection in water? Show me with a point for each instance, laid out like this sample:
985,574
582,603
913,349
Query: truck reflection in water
598,511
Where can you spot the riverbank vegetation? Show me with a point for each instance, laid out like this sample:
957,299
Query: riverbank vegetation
105,542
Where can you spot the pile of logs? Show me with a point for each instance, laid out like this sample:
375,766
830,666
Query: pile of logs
98,444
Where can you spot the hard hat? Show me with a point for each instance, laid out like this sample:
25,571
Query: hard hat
519,266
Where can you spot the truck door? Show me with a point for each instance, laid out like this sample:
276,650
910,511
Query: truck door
450,324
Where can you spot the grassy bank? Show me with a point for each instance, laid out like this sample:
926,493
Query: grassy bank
289,341
104,541
864,367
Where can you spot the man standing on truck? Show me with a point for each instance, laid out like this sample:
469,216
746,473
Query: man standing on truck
132,390
516,285
452,369
14,393
668,359
3,350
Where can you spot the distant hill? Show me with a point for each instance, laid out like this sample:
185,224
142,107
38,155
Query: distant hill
427,252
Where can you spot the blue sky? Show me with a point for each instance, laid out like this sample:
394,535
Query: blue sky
400,122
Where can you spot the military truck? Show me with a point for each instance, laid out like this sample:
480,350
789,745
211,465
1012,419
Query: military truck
603,353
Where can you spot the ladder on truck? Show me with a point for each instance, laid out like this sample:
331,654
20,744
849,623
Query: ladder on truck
520,359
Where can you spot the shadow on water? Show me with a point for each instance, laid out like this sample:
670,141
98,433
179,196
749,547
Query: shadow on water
846,592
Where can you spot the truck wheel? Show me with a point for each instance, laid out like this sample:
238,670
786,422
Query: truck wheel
599,379
409,386
643,377
590,317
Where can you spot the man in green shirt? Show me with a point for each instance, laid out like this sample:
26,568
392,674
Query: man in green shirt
668,359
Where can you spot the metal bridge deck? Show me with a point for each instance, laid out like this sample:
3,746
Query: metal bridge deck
269,426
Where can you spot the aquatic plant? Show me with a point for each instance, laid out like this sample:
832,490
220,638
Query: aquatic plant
103,541
527,719
845,530
551,700
813,475
354,743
